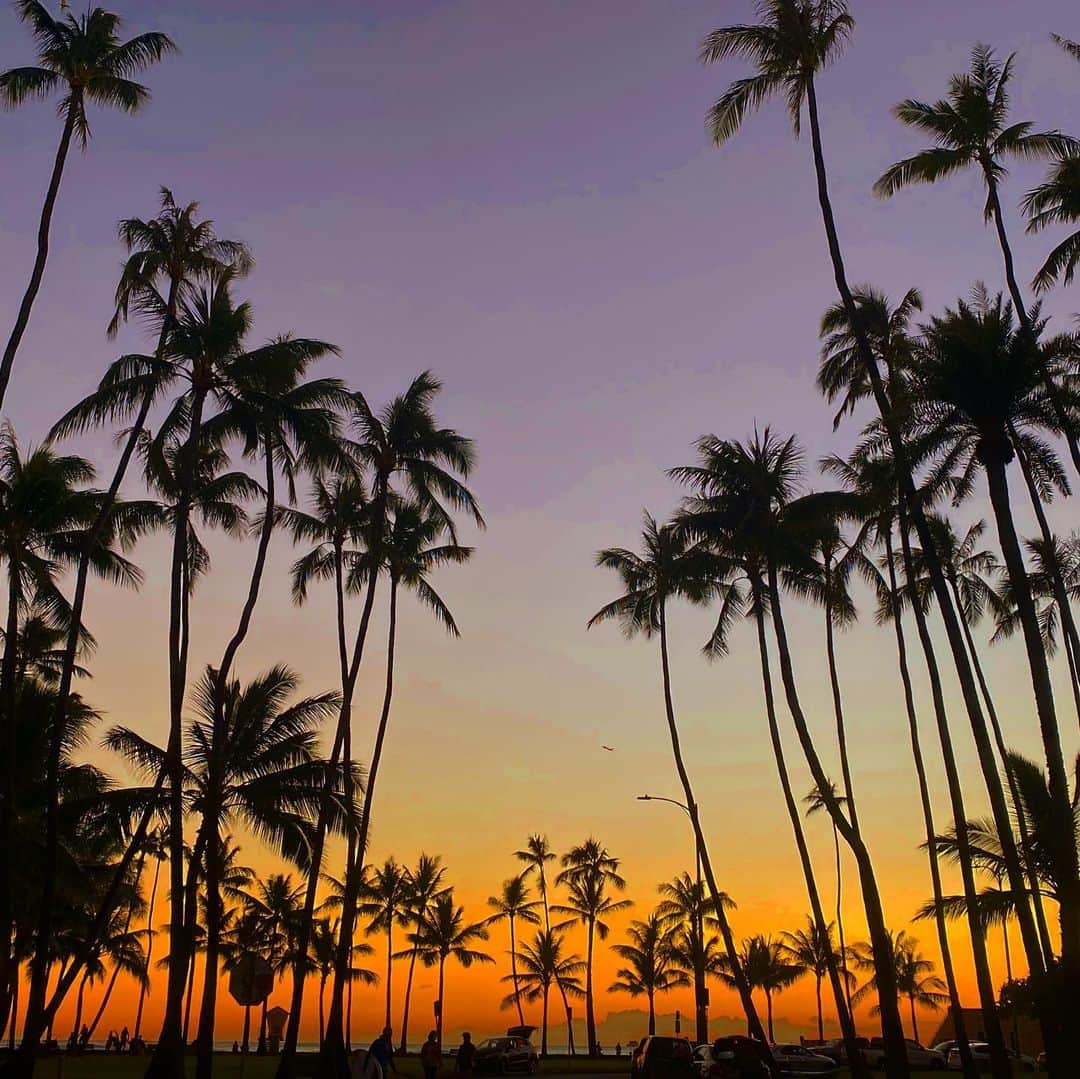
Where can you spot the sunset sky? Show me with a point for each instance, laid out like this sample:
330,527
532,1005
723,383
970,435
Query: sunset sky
522,197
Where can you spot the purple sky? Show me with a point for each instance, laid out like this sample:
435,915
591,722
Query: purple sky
521,196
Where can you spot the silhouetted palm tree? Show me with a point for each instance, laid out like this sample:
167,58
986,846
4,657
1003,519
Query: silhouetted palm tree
650,968
542,963
813,951
84,58
425,883
384,902
511,905
768,969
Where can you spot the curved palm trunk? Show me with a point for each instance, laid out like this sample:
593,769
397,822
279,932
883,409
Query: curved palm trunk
442,1000
333,1060
753,1020
544,1022
408,999
204,1038
838,710
847,1026
514,972
22,318
820,1017
652,1013
77,1025
1069,890
7,695
846,977
14,1015
972,704
569,1017
892,1029
286,1068
322,1009
1014,794
389,970
149,948
967,1062
768,1008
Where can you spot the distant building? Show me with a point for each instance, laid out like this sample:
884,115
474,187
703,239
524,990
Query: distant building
1021,1032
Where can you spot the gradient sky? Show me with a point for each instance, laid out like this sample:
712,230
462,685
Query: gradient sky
521,196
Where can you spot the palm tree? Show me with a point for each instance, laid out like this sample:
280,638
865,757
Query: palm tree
511,905
45,511
410,551
402,441
914,976
425,883
157,849
85,59
445,934
768,969
589,870
980,394
384,902
813,951
541,964
670,567
685,908
650,968
792,42
971,128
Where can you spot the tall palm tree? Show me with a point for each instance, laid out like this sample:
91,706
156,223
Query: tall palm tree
401,442
589,871
384,902
84,58
767,968
650,968
542,963
971,129
979,395
46,508
790,44
813,951
156,848
412,549
512,905
425,883
672,568
445,934
914,976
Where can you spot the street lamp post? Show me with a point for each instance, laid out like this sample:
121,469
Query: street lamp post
700,991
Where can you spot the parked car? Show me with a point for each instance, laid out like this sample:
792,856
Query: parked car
836,1048
919,1057
730,1058
511,1053
981,1052
663,1057
800,1060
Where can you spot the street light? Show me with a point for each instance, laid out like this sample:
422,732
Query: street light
699,990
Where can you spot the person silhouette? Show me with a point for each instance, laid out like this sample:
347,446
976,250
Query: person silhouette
466,1055
431,1055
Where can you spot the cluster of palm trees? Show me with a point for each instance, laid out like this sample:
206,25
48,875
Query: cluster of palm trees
228,436
949,403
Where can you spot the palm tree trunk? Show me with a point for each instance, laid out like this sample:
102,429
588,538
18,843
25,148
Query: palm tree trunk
333,1056
286,1068
22,318
838,709
189,994
77,1026
1067,428
590,1016
322,1011
846,978
1069,892
408,999
847,1026
914,1022
972,704
167,1061
260,1049
348,1013
442,1000
245,1042
768,1009
149,947
204,1038
104,999
652,1013
891,1027
389,969
820,1017
1014,793
7,695
514,973
569,1018
544,1023
967,1062
753,1020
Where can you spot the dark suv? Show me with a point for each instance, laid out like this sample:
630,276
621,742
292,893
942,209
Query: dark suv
659,1057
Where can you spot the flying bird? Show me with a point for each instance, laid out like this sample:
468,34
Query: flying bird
610,749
